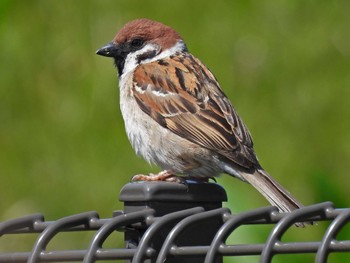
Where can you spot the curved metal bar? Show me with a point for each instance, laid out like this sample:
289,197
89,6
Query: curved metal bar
215,246
331,233
144,243
294,217
54,228
102,234
18,223
182,225
230,225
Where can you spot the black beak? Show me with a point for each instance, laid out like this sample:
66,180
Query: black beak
109,50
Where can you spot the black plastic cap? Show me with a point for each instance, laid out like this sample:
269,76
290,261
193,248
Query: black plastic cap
176,192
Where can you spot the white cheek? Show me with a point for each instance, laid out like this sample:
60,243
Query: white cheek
131,61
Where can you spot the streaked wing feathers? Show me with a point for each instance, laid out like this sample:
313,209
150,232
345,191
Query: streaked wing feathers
182,95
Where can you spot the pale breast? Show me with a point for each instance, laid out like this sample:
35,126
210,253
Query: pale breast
160,146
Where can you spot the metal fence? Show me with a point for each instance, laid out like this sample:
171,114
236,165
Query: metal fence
167,222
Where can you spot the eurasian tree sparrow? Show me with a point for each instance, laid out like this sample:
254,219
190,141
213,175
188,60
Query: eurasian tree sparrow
177,116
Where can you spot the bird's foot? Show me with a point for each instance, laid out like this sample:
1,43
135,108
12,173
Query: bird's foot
165,175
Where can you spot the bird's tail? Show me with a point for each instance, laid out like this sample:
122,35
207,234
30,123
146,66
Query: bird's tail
275,193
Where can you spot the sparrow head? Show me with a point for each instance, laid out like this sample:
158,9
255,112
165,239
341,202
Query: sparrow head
141,41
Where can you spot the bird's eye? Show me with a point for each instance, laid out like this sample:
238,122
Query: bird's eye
137,42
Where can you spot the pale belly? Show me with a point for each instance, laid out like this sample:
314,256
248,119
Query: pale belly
160,146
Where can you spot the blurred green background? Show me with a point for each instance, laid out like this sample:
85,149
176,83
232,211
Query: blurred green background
284,65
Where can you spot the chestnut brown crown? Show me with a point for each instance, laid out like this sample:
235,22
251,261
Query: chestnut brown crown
149,31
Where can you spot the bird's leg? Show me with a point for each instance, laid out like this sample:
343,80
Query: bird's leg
165,175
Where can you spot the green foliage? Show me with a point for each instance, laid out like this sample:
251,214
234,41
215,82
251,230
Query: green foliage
284,64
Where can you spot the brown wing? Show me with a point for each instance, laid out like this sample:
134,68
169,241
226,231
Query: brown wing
182,95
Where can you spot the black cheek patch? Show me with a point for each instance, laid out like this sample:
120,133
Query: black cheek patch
146,55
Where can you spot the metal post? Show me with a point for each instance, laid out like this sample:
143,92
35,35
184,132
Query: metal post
166,198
